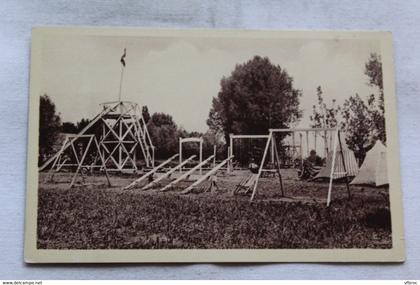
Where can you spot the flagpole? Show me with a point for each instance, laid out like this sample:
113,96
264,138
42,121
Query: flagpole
121,79
122,73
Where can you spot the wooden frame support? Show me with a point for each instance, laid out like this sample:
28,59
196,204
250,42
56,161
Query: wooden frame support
69,142
186,174
154,170
191,140
124,129
232,139
168,174
260,170
207,175
337,143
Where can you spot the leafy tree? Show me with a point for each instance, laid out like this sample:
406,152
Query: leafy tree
164,135
364,122
69,128
324,116
211,139
373,69
358,126
145,114
82,124
258,95
49,127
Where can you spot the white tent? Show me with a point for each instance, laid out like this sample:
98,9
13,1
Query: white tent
374,168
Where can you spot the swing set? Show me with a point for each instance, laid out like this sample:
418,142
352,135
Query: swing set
272,144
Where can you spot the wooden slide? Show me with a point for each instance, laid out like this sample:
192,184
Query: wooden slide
168,174
151,172
187,174
207,175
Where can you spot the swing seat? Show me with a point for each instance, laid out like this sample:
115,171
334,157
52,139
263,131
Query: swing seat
246,184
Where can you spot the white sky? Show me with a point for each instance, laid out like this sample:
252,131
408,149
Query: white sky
179,76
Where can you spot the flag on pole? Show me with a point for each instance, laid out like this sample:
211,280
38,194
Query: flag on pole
123,58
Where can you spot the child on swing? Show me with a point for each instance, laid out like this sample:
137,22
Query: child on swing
311,165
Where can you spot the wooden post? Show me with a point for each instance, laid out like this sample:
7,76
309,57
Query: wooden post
332,169
180,154
325,144
201,156
80,163
293,145
272,153
254,191
330,142
307,143
103,162
214,158
278,165
344,164
120,146
230,163
301,146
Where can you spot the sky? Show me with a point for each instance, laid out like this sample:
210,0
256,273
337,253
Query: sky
180,76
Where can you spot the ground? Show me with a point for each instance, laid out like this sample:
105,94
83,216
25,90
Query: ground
96,216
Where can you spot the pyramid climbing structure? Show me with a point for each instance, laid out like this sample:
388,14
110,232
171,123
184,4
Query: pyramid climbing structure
123,135
374,169
124,131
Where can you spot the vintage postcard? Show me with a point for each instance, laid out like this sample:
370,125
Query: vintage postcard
154,145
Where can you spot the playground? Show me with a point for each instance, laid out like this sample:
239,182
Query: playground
194,201
110,185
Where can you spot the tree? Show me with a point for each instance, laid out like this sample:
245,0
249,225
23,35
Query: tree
364,121
211,139
69,128
373,69
145,114
82,124
49,127
258,95
358,126
324,116
164,135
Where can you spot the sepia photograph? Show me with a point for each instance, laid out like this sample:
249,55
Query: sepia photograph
212,146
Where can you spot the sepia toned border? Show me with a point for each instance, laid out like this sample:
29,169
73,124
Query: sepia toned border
34,255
